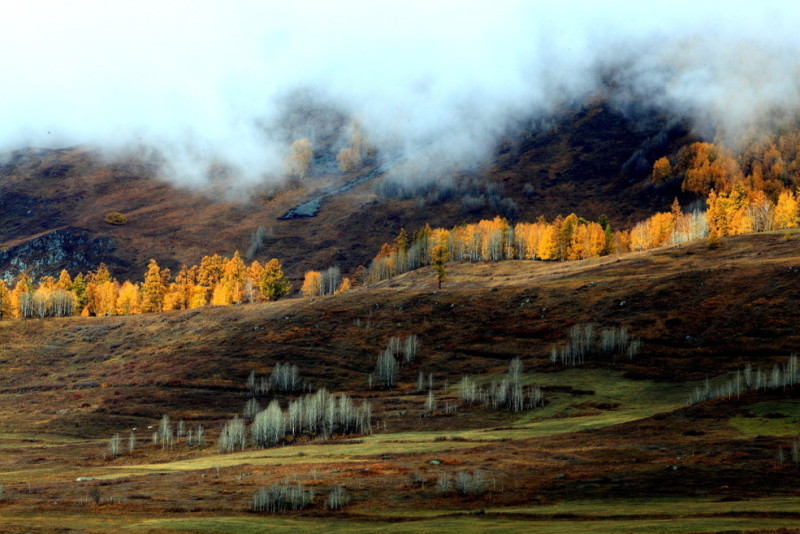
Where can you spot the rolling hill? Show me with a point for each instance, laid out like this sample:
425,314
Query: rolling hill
617,442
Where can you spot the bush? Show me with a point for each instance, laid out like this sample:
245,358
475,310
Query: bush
116,218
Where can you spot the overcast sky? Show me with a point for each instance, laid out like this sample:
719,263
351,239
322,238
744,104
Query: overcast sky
202,81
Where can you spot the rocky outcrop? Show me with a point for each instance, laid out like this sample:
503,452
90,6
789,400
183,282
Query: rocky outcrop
70,248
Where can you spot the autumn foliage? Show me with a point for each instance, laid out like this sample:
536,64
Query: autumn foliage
298,161
116,218
575,238
216,281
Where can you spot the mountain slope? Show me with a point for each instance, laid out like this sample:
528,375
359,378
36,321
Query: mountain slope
582,164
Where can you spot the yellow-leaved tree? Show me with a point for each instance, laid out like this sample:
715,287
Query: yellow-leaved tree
273,283
298,161
5,301
312,284
786,211
154,288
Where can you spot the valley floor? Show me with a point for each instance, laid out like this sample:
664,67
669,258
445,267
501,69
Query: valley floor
617,447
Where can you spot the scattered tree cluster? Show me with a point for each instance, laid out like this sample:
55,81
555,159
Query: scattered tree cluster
564,238
752,191
508,394
163,436
282,497
742,212
216,281
770,164
464,482
357,152
314,414
585,340
327,282
779,377
285,377
338,497
387,364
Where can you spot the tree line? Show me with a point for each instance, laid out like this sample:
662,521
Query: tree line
217,281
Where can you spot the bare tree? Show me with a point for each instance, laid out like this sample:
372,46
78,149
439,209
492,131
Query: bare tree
114,445
444,483
251,408
338,497
232,436
268,426
410,348
430,403
385,372
282,497
165,436
251,383
467,483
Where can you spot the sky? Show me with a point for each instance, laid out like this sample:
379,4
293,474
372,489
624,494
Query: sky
205,82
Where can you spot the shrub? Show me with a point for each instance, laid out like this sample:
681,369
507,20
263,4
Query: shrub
95,494
116,218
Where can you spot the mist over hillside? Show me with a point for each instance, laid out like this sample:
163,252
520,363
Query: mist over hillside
199,87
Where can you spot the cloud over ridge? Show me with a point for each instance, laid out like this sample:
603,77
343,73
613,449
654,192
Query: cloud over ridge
204,82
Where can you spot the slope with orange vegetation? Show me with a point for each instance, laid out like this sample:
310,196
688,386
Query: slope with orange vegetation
558,171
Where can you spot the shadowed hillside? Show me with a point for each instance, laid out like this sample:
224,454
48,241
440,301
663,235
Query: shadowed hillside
584,163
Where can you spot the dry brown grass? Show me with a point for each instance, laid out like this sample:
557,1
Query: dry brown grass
67,384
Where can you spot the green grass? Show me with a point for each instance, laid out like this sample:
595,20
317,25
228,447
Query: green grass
471,524
93,521
759,424
636,399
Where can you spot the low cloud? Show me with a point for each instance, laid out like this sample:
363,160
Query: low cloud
232,83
